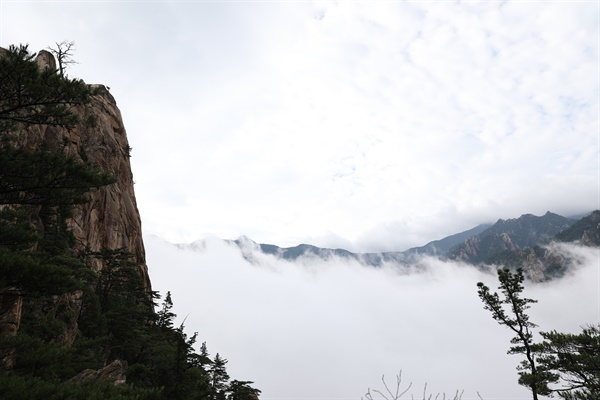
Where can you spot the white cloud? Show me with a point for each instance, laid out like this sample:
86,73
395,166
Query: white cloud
311,329
295,121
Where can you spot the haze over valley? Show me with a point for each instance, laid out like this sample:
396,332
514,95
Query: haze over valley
317,327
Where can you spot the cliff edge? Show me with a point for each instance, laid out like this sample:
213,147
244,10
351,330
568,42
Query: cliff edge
111,218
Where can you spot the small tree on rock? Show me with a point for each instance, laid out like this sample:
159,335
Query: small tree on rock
63,52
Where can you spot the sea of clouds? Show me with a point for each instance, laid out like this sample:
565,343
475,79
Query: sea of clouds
315,329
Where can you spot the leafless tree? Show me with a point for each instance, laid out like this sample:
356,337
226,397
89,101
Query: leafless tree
396,395
392,396
64,55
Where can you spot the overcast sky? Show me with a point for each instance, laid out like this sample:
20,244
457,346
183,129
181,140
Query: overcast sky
364,125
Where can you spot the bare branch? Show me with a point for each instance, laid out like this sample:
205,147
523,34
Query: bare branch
63,53
390,395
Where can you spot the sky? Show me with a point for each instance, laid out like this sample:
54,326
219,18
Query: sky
316,330
369,126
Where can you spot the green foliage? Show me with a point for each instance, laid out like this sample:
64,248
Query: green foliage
45,177
511,286
74,318
35,274
165,316
219,377
575,360
241,390
33,96
17,387
570,359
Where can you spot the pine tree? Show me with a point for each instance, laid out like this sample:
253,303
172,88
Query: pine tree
511,286
575,360
241,390
33,96
166,315
204,357
219,377
39,266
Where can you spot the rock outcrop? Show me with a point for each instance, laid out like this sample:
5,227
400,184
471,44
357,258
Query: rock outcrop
110,220
113,372
45,59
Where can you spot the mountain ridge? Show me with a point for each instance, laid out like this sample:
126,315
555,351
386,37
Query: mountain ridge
506,241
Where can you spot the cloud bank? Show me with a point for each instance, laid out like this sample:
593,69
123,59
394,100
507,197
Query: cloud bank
329,330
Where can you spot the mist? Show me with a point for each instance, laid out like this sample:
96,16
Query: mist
330,330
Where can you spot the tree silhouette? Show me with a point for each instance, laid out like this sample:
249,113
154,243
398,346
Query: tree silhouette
516,319
63,52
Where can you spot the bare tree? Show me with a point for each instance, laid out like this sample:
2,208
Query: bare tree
397,395
393,396
64,55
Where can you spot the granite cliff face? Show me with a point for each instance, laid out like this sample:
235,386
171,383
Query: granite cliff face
110,220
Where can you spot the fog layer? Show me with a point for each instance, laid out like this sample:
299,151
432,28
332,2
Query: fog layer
330,330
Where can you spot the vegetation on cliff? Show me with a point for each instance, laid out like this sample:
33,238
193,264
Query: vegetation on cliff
61,319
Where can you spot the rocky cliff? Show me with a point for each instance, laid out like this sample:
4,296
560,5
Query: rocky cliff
110,220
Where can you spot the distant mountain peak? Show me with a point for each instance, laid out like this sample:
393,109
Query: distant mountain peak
517,240
510,235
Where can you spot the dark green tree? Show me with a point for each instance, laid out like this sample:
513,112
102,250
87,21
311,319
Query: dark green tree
219,377
575,360
166,315
241,390
33,96
45,177
515,318
38,187
204,357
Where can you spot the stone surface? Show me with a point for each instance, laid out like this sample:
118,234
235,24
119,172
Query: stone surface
113,372
110,219
45,59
